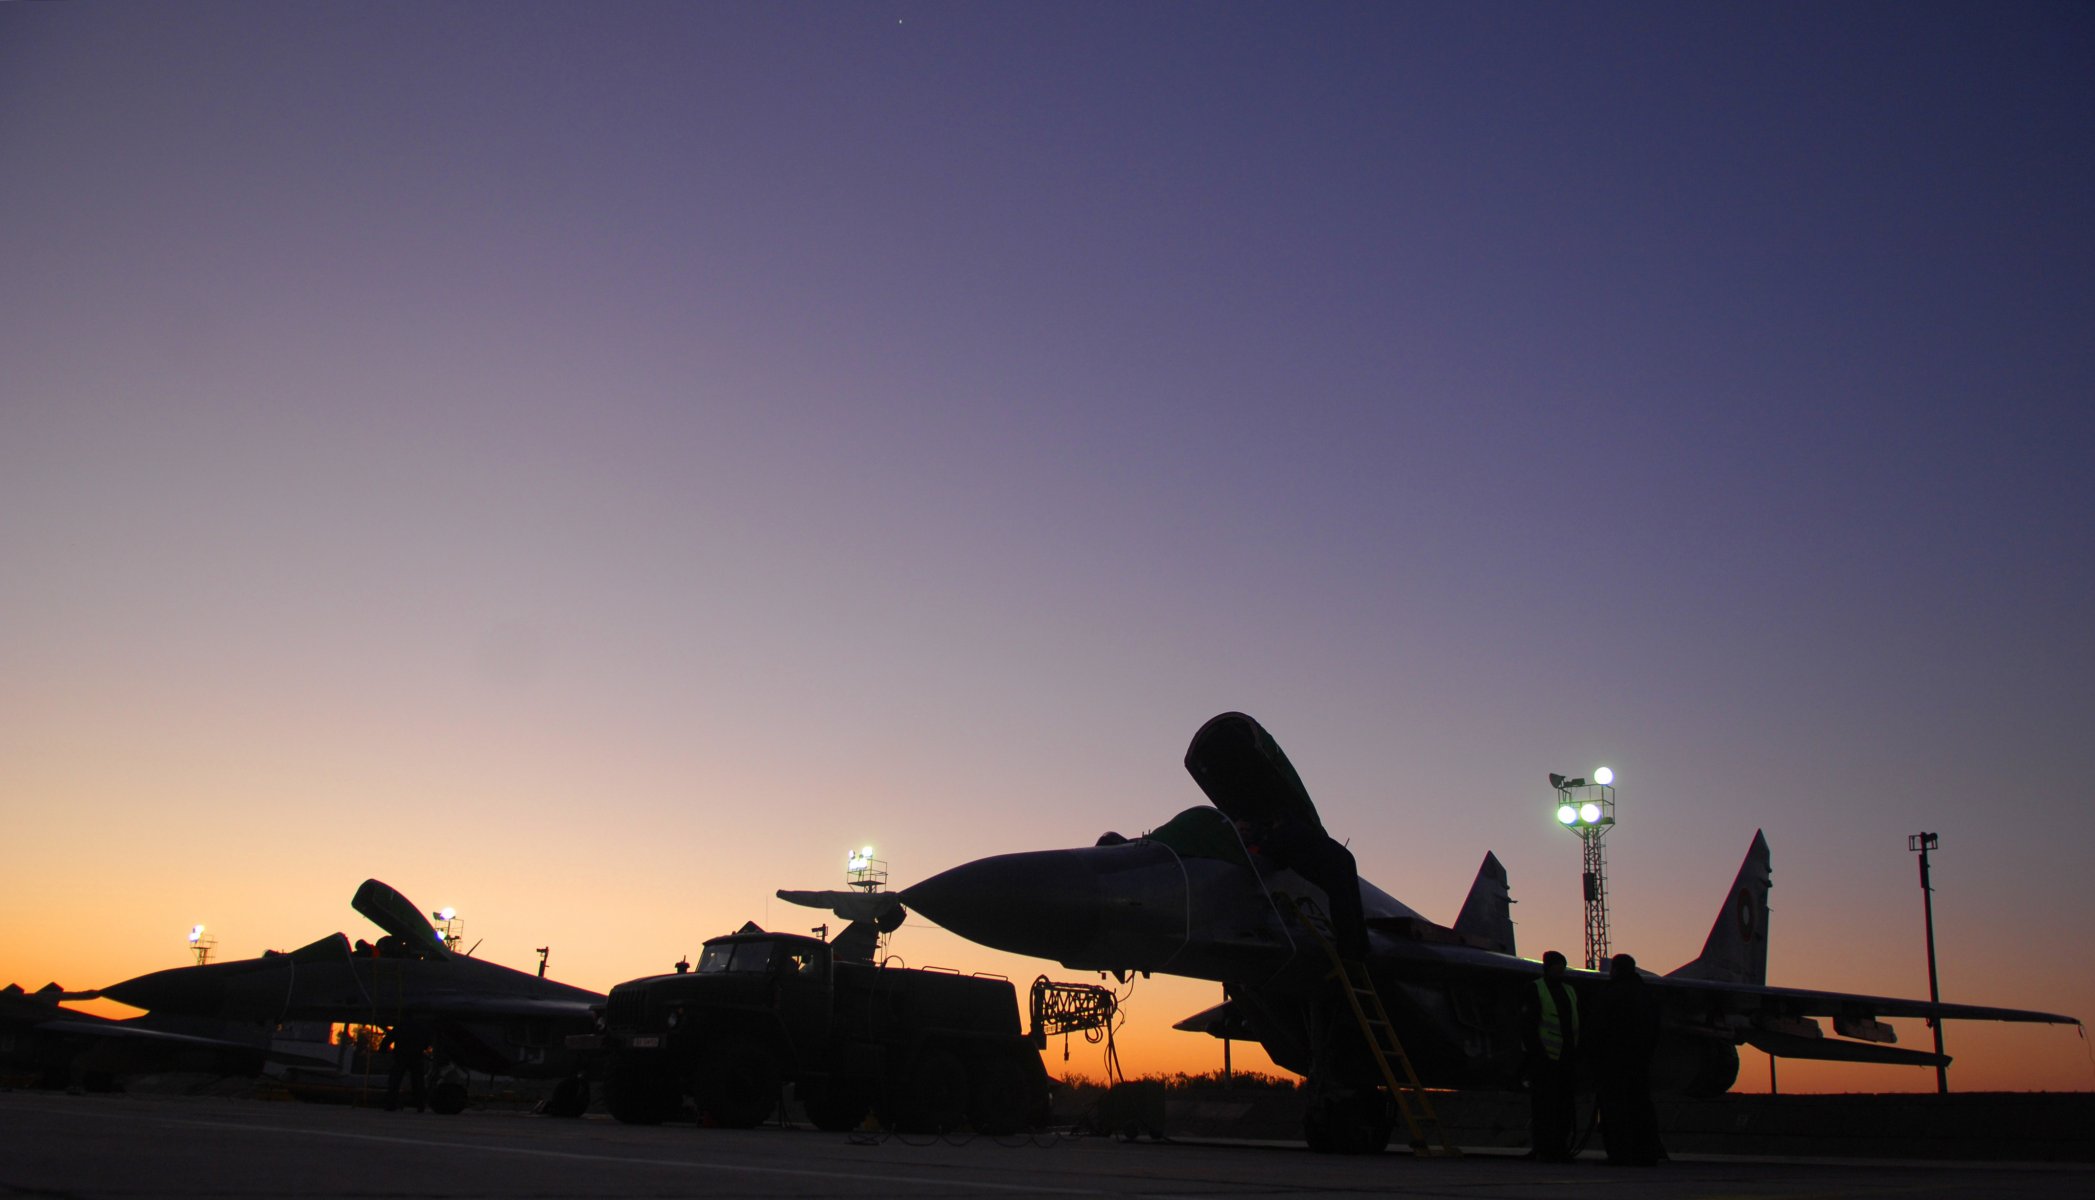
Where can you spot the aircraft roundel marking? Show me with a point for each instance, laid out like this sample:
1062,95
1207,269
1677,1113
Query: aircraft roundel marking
1746,916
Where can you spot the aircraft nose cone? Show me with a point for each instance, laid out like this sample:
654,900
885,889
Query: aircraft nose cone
1103,908
175,990
1044,903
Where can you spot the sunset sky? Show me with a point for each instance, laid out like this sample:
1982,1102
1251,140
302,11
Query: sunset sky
593,464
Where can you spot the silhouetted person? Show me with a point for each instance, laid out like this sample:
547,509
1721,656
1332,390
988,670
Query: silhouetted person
409,1042
1550,1033
1626,1036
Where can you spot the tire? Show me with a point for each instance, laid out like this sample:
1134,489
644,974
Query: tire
1357,1124
640,1093
737,1084
931,1096
448,1098
834,1106
999,1102
569,1098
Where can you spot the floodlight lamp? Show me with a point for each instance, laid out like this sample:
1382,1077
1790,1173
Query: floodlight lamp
1556,781
1575,783
1567,815
1604,777
1589,812
196,933
445,913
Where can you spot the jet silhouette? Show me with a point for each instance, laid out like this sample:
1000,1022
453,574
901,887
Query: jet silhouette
485,1017
1197,897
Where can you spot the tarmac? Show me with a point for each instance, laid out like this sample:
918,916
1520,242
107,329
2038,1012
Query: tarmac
150,1147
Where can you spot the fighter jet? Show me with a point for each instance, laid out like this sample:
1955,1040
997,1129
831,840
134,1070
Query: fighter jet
1199,896
485,1017
44,1042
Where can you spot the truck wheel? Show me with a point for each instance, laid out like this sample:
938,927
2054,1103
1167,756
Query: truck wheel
933,1095
640,1093
835,1107
737,1084
998,1103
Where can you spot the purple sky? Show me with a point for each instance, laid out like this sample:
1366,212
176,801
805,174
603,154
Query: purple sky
591,464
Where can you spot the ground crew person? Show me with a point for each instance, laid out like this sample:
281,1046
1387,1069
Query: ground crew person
1551,1024
1626,1037
409,1042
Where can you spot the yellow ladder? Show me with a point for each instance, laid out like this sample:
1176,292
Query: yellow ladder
1380,1035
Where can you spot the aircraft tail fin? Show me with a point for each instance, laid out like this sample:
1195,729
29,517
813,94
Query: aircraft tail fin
1737,948
1486,919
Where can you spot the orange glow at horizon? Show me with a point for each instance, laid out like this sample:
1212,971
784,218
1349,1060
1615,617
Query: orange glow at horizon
45,943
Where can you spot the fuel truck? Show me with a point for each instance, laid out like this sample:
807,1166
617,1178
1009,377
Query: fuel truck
922,1050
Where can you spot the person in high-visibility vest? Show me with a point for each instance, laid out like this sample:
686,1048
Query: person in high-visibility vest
1550,1017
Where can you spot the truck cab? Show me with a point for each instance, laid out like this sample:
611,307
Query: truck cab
925,1049
783,976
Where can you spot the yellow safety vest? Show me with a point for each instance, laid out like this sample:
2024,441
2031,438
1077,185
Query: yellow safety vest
1553,1022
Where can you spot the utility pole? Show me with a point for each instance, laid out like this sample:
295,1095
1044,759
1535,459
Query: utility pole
1921,843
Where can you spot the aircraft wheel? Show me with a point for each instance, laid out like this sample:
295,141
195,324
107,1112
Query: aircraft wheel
738,1084
998,1103
932,1095
640,1093
448,1098
1357,1124
570,1098
835,1107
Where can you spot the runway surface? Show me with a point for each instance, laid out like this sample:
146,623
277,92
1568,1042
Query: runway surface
151,1147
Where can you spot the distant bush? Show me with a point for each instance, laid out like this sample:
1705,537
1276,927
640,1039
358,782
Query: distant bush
1076,1083
1240,1079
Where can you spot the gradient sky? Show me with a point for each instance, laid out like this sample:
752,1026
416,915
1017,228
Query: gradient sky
593,464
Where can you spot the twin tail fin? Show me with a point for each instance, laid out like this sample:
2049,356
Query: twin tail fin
1737,948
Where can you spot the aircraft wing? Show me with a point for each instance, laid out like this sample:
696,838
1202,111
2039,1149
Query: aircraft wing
470,1006
1808,1002
62,1041
84,1025
1718,994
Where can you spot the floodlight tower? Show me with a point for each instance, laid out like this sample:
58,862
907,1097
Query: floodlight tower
863,871
200,944
1587,808
449,927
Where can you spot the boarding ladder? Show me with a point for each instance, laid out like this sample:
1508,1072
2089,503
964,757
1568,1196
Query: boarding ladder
1429,1138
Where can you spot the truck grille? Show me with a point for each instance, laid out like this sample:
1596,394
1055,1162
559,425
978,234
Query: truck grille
625,1008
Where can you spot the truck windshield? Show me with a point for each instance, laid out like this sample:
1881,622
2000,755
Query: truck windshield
735,956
